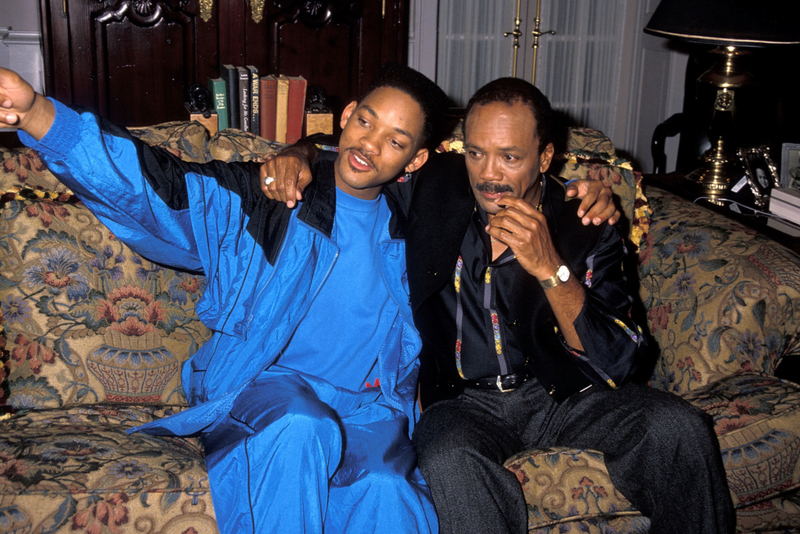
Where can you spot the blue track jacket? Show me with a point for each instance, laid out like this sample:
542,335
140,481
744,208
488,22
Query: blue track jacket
264,263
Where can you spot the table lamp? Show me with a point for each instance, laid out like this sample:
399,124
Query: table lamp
733,26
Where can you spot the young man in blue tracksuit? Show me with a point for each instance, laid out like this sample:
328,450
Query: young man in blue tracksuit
305,394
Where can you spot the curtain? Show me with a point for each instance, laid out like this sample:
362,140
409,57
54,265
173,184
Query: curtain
471,48
578,68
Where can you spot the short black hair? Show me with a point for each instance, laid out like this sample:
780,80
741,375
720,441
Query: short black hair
427,94
512,90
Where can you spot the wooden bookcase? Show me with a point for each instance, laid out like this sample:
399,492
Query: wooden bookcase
133,60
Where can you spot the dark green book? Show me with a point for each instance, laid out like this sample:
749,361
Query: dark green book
218,92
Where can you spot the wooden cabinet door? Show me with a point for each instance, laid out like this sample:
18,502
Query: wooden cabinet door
132,61
129,60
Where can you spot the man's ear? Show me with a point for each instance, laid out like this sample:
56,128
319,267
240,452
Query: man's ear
347,112
418,160
546,158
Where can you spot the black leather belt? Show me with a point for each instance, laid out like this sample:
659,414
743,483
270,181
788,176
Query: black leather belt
502,383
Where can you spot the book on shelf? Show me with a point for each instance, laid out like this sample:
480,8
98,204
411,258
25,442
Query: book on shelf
230,74
295,108
255,100
281,108
269,94
219,93
244,99
784,226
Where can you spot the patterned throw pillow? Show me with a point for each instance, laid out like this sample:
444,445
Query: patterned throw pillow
185,139
22,168
720,298
235,145
87,320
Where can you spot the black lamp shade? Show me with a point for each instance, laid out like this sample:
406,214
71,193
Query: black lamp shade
728,22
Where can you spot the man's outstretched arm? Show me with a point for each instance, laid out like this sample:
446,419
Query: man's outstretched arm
21,107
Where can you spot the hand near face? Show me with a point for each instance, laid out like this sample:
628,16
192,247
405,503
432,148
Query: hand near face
524,229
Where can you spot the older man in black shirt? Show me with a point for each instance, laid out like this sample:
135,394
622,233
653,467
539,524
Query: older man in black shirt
528,341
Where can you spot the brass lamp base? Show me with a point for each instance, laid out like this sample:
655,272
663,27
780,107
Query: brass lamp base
720,169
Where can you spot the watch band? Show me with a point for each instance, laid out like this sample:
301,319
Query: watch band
561,276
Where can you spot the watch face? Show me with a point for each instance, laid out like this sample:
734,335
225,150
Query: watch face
563,273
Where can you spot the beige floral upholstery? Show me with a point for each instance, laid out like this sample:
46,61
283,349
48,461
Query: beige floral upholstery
93,336
721,298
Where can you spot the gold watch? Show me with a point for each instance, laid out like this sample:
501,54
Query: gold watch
561,276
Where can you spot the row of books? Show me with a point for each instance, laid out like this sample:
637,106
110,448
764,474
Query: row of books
270,106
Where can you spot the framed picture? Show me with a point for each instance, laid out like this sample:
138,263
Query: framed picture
760,172
790,165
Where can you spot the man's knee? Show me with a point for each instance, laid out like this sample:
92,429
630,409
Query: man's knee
445,437
671,418
305,427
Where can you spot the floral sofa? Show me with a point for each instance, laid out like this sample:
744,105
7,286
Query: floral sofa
93,336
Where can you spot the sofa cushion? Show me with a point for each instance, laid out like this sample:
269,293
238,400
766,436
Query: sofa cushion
23,169
568,485
235,145
5,408
76,470
86,320
720,298
757,421
186,139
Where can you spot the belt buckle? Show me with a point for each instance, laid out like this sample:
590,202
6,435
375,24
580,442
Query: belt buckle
499,385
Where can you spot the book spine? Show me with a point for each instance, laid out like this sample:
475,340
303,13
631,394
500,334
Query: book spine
296,109
789,196
281,108
255,100
231,77
785,210
244,98
217,88
269,95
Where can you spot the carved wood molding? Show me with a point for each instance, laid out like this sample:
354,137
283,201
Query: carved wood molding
144,13
318,13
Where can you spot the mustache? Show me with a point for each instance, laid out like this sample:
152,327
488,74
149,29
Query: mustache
490,187
363,156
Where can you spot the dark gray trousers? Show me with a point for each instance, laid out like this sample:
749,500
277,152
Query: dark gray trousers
660,451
